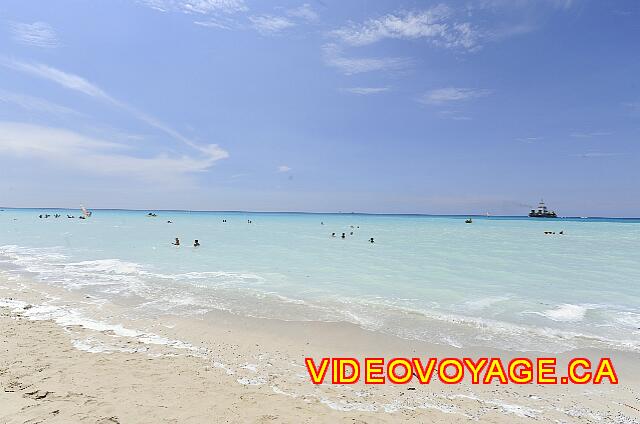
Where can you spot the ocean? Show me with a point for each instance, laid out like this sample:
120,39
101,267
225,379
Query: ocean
500,282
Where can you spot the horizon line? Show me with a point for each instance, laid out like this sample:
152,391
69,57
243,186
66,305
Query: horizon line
323,213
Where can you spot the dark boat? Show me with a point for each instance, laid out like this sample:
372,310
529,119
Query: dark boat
542,212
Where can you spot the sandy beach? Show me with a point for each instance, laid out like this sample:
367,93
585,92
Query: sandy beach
242,211
227,368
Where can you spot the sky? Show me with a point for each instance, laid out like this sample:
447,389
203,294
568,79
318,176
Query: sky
437,107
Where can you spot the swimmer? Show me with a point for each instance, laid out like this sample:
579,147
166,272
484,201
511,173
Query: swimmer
177,242
196,243
344,235
351,233
371,240
169,222
333,234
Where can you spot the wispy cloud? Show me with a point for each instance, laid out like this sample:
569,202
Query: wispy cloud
529,139
519,4
305,12
453,94
72,150
270,24
38,34
202,7
35,104
590,134
595,155
632,108
219,22
436,24
333,56
283,168
81,85
453,115
365,91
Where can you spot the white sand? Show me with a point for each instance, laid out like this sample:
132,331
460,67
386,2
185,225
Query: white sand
70,359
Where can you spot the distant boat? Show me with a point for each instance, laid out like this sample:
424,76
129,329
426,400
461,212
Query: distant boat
542,212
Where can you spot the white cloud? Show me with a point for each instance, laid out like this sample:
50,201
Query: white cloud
518,4
269,24
349,65
72,150
305,12
590,134
435,24
38,34
454,115
79,84
35,104
453,94
219,23
283,168
595,155
203,7
71,81
529,139
364,91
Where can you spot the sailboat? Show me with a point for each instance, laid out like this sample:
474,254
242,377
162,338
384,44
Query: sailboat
86,213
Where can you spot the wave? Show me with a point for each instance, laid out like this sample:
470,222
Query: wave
471,323
566,312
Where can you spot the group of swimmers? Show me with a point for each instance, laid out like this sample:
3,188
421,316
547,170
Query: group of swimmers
344,235
57,215
196,243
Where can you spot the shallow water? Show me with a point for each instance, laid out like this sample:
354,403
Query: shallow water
499,282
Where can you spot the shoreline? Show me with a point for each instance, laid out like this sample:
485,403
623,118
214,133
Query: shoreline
246,366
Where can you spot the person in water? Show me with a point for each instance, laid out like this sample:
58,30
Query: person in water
344,235
177,242
196,243
333,234
371,240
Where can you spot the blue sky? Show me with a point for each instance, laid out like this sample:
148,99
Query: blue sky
374,106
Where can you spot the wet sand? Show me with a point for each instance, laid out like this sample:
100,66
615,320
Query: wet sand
226,368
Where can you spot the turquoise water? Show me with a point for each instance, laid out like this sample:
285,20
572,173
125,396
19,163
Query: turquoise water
499,282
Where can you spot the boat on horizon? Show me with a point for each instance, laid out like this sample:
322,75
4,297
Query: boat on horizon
542,212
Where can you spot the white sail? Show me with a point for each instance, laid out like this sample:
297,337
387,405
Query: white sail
85,212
